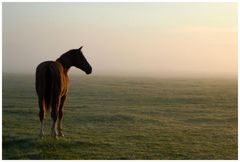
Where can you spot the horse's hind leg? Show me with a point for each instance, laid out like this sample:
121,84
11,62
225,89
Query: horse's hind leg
41,116
54,115
60,116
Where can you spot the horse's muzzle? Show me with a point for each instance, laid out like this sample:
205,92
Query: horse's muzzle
89,71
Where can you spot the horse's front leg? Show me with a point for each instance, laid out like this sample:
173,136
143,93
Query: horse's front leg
60,116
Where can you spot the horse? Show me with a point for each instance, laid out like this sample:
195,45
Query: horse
52,84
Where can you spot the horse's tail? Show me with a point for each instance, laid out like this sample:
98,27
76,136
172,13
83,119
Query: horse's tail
42,85
54,83
47,89
48,84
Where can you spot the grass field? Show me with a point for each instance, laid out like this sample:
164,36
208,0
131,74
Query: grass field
125,118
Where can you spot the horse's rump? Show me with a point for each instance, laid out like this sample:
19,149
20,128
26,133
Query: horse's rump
48,83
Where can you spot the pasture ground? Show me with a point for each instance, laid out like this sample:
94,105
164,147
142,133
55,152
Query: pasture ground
125,118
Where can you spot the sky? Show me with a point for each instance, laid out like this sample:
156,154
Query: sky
142,39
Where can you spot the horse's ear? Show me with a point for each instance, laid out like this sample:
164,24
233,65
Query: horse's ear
80,48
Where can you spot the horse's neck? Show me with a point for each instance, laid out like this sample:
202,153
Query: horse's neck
66,64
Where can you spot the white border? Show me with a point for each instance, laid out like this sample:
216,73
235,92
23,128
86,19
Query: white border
1,83
117,1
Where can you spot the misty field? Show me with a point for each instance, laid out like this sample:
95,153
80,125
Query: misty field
125,118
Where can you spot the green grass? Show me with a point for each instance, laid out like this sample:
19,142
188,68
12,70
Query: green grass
125,118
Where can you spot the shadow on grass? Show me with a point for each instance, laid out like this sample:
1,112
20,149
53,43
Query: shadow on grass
18,148
49,148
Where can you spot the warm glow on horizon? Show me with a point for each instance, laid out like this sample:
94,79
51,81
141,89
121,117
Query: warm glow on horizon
152,39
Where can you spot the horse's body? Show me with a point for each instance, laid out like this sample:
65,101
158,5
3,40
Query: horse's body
52,86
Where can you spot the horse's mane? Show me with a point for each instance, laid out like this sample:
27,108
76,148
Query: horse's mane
66,55
65,60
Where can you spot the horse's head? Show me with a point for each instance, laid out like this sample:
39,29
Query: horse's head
81,62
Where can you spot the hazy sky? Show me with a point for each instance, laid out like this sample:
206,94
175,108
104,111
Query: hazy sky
159,39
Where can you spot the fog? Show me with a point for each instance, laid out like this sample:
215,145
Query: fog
133,39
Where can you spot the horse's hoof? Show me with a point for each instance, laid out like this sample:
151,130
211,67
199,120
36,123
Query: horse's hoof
54,136
41,136
61,135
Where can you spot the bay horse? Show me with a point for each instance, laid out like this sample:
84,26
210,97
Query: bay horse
52,86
